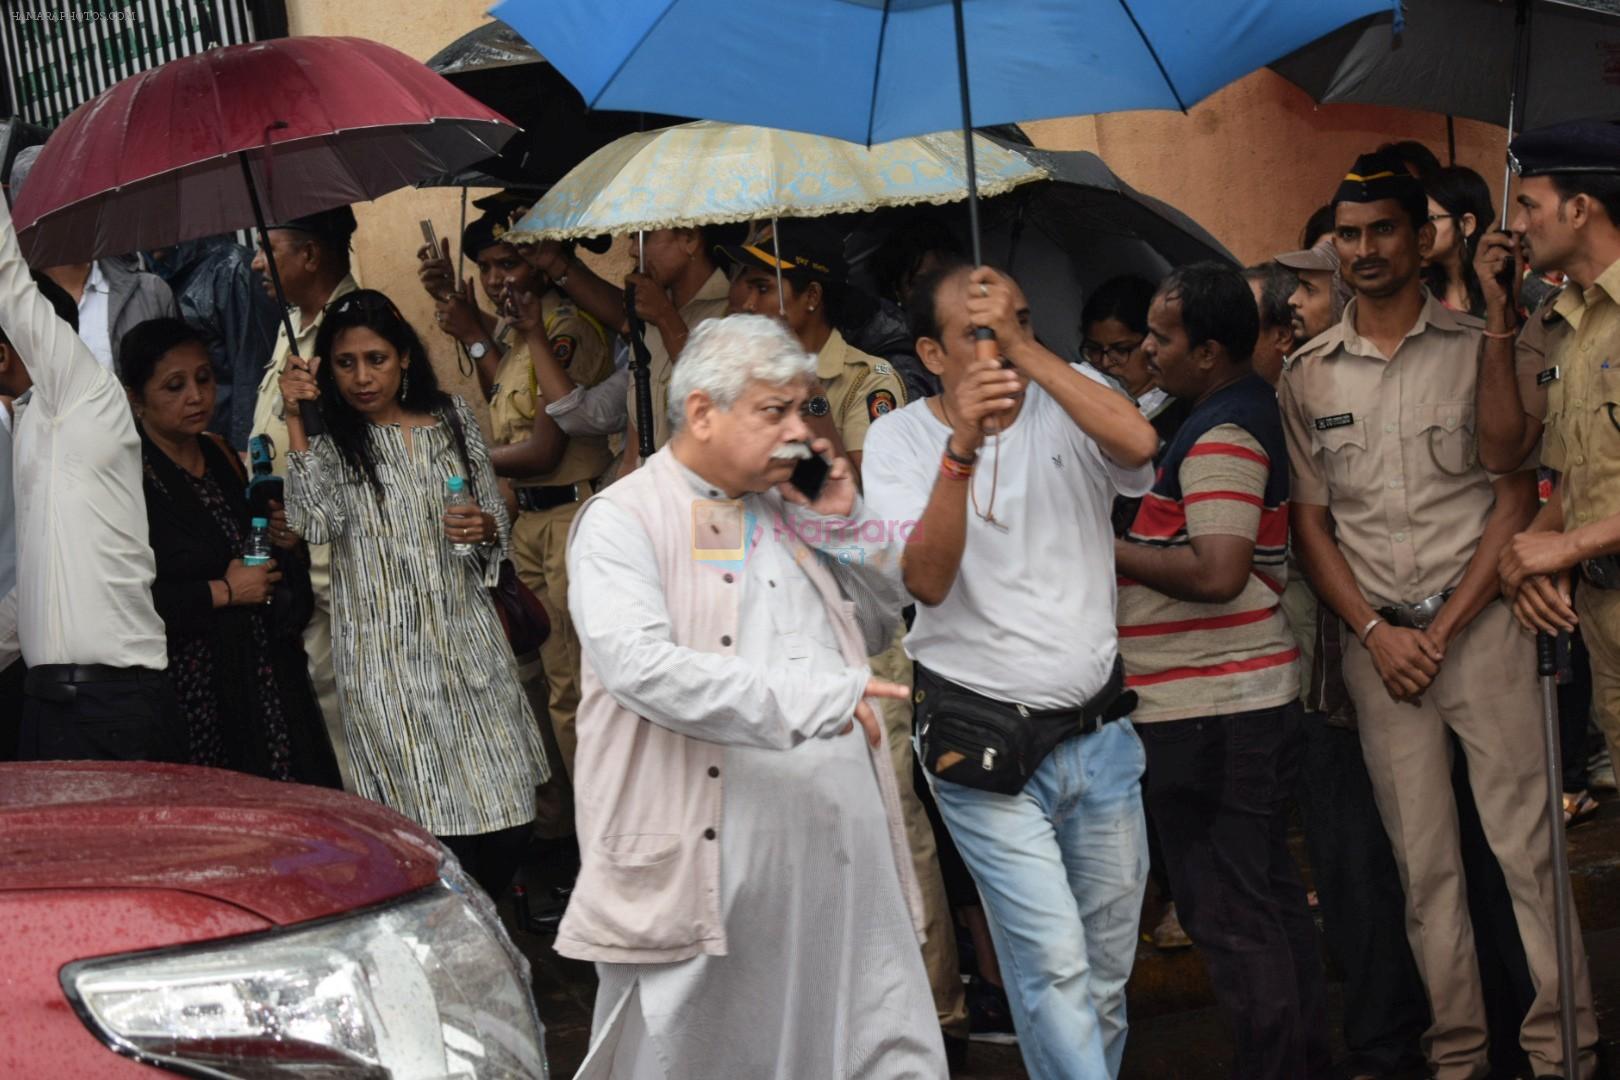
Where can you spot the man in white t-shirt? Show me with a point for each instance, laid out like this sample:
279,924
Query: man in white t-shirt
1010,556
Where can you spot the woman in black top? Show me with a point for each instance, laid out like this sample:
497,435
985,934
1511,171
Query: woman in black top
236,660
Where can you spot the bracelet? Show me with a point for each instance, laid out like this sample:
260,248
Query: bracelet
1500,335
1365,630
230,594
970,460
953,469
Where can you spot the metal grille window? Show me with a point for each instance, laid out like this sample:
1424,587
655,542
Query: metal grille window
57,54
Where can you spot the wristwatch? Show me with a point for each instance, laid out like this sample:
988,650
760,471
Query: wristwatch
478,350
817,406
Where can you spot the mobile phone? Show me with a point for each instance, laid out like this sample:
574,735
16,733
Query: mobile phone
431,237
810,476
1510,269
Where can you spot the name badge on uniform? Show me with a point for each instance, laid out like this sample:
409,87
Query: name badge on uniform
1545,377
1328,423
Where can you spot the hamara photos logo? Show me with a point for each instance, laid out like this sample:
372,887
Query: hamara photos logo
725,533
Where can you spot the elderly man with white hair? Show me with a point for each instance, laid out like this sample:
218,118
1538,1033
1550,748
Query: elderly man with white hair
745,888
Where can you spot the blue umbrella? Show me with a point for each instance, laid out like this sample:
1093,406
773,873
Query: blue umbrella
873,70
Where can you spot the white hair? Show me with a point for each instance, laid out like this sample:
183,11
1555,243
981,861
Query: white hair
722,356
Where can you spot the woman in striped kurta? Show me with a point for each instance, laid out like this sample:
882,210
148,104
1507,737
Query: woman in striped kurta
438,726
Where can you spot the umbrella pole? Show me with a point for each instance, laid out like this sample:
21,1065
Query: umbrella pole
967,133
1521,63
269,256
985,338
776,241
312,422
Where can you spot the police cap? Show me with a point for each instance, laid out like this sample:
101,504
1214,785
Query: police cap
1584,146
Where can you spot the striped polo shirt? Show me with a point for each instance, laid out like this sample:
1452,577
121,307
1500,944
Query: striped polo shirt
1226,473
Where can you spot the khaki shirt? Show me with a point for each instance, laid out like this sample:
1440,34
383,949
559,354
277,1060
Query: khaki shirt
269,415
1388,446
709,303
859,389
581,347
1537,338
1582,438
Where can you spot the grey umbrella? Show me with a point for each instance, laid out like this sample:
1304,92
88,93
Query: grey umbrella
1458,57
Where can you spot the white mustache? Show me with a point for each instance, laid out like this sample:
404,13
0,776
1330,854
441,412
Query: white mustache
794,451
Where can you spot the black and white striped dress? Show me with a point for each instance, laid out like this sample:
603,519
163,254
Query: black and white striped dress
438,726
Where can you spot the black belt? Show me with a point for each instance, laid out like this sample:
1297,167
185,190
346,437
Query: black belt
1097,711
1602,573
1416,616
549,497
45,680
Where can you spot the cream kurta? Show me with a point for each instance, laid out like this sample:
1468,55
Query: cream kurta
822,977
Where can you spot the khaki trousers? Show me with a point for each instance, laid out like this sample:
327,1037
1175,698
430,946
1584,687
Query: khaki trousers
540,553
939,951
318,649
1487,693
1599,610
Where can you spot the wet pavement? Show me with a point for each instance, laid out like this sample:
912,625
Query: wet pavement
1176,1031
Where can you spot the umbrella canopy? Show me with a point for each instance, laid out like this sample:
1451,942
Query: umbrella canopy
708,173
1084,204
495,65
874,70
1457,57
321,122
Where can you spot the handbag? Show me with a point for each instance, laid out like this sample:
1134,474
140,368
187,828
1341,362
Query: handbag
992,745
523,616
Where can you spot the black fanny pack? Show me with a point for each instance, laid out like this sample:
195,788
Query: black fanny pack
981,742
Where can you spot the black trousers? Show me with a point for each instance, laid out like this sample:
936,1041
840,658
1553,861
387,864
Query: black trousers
126,719
492,859
1220,788
11,709
1363,908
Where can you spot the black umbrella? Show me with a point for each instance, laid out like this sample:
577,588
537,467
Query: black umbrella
1459,57
1063,237
497,67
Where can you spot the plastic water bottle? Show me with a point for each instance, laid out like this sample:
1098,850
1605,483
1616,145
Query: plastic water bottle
455,494
258,545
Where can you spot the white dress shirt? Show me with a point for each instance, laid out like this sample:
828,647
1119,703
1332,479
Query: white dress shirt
95,317
84,566
1030,617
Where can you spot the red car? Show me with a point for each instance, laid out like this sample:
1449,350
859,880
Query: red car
163,918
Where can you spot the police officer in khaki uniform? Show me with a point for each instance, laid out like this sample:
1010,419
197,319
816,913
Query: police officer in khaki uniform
856,389
312,259
1569,216
552,349
1379,413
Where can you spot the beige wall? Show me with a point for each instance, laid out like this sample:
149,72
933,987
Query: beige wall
1249,164
385,246
1252,161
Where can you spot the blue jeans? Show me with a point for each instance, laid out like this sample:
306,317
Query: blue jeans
1061,867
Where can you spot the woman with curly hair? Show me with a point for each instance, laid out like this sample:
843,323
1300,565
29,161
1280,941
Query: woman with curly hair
438,726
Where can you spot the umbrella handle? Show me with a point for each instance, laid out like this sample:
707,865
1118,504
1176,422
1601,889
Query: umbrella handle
641,373
313,423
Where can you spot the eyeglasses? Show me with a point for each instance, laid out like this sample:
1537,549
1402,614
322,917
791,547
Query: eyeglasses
1118,352
1441,217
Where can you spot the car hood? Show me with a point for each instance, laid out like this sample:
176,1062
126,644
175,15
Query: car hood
285,852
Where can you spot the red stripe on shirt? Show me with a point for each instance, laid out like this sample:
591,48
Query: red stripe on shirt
1231,667
1229,450
1273,531
1230,496
1213,622
1159,518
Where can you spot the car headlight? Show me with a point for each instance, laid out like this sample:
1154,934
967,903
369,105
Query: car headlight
424,988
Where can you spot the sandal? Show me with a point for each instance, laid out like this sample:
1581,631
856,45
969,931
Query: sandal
1578,806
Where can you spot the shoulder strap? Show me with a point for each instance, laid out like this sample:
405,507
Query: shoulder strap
230,456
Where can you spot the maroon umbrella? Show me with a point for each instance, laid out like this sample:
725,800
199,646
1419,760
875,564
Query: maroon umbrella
318,122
